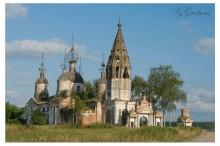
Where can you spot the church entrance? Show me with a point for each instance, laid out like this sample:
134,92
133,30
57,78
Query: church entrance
124,117
108,116
143,121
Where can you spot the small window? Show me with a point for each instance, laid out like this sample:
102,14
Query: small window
117,72
118,40
118,49
117,57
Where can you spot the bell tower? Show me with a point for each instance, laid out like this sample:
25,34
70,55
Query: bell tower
41,85
118,70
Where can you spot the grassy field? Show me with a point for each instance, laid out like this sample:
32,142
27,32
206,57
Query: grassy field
98,133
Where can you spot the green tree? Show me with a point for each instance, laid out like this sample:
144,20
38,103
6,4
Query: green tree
38,117
138,86
79,104
164,86
15,114
91,89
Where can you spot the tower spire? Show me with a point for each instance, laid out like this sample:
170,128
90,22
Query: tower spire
72,40
103,64
103,67
118,70
72,57
42,68
63,65
119,22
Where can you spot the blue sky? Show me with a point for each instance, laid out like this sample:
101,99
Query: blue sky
155,34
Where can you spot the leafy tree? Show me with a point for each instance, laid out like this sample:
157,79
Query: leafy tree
164,87
15,114
38,117
91,89
79,104
138,86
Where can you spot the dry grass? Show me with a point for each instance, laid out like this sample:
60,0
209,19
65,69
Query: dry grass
71,133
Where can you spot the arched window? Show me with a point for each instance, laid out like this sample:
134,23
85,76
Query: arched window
117,71
143,121
125,74
124,117
108,116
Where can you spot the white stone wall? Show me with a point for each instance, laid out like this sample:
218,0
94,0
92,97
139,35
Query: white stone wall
52,112
119,107
120,88
39,88
64,85
81,86
160,120
185,124
101,90
30,108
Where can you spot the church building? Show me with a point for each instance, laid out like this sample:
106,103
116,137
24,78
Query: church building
114,86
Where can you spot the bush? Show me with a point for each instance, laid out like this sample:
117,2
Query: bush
38,118
14,114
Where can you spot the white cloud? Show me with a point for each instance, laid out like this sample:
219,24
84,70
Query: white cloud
32,48
201,100
12,94
183,22
81,49
24,83
185,25
15,10
25,74
205,46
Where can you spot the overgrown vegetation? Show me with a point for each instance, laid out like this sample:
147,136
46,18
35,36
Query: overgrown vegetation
38,118
14,114
98,133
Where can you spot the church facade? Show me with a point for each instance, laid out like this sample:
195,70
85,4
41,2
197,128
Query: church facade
114,85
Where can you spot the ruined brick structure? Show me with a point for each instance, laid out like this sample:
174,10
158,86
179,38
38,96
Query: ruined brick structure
185,119
114,86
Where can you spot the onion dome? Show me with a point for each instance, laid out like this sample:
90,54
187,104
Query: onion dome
42,81
78,78
74,77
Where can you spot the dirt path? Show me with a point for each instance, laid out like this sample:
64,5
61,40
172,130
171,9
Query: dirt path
205,137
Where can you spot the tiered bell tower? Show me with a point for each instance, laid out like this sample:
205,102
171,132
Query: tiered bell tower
118,70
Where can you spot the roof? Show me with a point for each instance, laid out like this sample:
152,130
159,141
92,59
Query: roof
74,77
42,80
78,78
159,114
119,56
